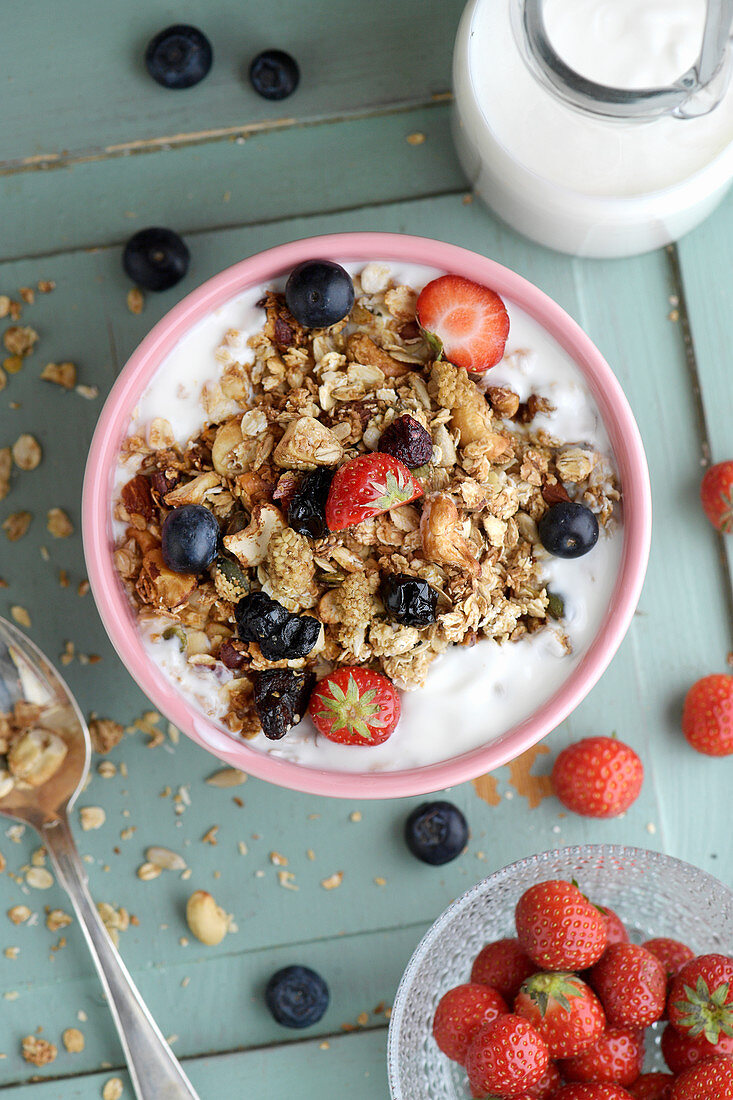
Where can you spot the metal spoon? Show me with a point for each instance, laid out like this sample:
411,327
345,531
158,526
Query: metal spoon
26,675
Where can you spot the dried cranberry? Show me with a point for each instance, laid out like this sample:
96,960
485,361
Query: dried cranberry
307,507
283,333
230,656
281,699
280,634
409,600
408,441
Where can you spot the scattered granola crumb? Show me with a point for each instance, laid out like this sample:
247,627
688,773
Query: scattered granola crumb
379,881
227,777
16,524
148,871
92,817
310,854
28,294
113,1089
57,919
278,859
11,952
209,836
651,828
46,285
83,587
73,1040
59,524
467,199
82,1016
105,734
135,300
27,452
325,1045
20,615
39,878
355,815
4,305
242,847
88,392
362,1019
39,1052
333,880
415,139
61,374
19,339
12,365
287,879
673,315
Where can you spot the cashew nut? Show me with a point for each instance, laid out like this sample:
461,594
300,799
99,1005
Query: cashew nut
443,540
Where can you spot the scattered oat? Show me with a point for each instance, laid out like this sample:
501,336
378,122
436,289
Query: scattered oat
278,859
166,859
174,734
19,914
19,339
83,588
107,769
26,452
88,392
227,777
379,881
4,305
61,374
333,880
651,828
92,817
16,524
310,854
57,919
59,524
68,655
21,616
325,1045
113,1089
415,139
135,300
287,880
73,1040
209,836
148,871
28,294
39,1052
105,734
355,816
39,878
82,1016
11,995
46,285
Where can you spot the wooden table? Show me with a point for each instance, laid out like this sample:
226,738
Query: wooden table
91,150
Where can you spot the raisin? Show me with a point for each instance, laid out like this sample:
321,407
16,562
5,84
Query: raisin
232,657
281,699
409,600
283,333
408,441
307,507
280,634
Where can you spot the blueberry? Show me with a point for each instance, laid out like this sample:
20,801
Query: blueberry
280,634
436,832
190,538
179,57
319,293
568,530
274,74
407,440
281,698
297,996
155,258
307,508
408,600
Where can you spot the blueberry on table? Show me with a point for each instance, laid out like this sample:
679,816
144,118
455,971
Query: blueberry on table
155,258
568,530
436,832
319,293
408,600
280,634
190,538
307,508
281,698
407,440
179,56
274,74
297,996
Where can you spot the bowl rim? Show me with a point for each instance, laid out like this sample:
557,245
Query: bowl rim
111,600
613,852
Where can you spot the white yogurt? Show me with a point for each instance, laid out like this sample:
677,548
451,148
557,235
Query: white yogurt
473,695
585,184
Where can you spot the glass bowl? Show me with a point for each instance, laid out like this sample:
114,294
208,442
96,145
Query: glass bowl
653,894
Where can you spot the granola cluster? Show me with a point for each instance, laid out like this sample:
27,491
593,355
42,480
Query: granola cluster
317,398
29,753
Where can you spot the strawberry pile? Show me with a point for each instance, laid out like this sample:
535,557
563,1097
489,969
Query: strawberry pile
559,1012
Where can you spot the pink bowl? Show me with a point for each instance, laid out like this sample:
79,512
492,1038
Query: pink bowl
118,617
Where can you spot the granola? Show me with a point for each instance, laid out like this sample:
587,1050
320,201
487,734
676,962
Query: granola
290,400
29,753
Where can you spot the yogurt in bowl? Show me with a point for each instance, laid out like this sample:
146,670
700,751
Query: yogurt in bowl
493,670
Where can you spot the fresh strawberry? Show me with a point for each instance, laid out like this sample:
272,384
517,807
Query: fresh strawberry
707,715
460,1013
545,1089
711,1080
598,777
615,928
716,495
365,487
652,1086
558,927
616,1058
355,706
592,1092
671,953
506,1056
632,985
701,998
563,1009
504,966
464,321
681,1052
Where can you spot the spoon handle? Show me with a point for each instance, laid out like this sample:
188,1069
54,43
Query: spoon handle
155,1072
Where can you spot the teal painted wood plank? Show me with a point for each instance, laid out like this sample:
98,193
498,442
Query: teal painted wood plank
624,306
89,91
706,257
353,1066
271,175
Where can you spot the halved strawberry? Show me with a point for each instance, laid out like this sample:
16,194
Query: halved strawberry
355,706
365,487
465,322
